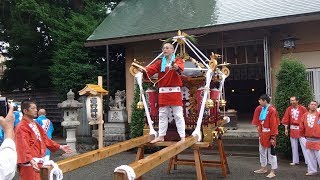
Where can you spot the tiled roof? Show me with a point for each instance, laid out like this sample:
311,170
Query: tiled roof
143,17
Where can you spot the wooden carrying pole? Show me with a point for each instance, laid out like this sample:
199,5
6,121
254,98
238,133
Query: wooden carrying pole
81,160
144,165
100,125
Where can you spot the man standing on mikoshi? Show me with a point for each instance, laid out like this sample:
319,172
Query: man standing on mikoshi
169,70
292,118
266,120
310,128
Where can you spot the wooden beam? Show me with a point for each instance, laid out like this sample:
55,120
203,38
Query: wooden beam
120,176
144,165
100,125
81,160
45,172
169,143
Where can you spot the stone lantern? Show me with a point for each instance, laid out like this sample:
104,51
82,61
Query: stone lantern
70,118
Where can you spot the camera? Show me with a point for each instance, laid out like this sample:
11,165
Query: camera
3,106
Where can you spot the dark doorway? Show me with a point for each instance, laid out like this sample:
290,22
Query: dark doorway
243,88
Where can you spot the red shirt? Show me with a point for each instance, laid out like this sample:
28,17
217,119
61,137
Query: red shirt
310,128
268,127
169,78
29,145
293,117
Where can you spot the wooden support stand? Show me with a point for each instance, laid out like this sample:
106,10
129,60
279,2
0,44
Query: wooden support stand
223,163
81,160
142,166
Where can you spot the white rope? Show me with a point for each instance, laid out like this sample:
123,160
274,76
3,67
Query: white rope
197,131
195,69
130,172
221,87
175,49
204,63
138,77
198,50
54,171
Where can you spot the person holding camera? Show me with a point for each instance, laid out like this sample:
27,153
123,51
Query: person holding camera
32,142
8,153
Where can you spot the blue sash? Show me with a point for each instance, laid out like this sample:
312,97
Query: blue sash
164,62
263,113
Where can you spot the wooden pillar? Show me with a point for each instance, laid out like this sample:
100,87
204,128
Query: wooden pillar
223,159
201,175
44,173
100,125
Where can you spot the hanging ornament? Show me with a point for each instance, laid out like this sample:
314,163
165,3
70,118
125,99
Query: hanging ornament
209,103
223,103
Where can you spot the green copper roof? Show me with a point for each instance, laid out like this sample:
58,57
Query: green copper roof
141,17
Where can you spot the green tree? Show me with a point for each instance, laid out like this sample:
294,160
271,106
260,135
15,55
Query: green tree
46,40
73,64
25,26
138,116
292,81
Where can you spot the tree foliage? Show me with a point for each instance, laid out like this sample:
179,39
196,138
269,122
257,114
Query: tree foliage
46,40
25,28
73,67
138,116
292,81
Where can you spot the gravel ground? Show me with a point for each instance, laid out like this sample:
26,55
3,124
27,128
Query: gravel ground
241,167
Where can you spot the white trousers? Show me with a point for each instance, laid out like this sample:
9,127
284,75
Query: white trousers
313,159
266,157
164,120
294,147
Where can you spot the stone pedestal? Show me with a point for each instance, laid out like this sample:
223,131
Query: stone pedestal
116,115
116,129
71,140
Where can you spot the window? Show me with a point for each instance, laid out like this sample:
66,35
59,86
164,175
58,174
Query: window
314,80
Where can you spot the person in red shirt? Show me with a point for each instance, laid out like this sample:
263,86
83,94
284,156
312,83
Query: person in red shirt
266,119
292,118
32,142
310,128
169,70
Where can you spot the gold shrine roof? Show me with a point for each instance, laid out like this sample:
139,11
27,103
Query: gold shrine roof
93,89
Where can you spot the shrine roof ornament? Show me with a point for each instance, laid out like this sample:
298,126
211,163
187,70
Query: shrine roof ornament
93,89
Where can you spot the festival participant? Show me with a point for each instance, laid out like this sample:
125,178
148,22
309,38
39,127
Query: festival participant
32,142
292,118
266,120
169,69
310,128
47,126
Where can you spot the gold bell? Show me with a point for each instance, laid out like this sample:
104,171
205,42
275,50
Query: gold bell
222,102
221,130
215,134
209,104
140,105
